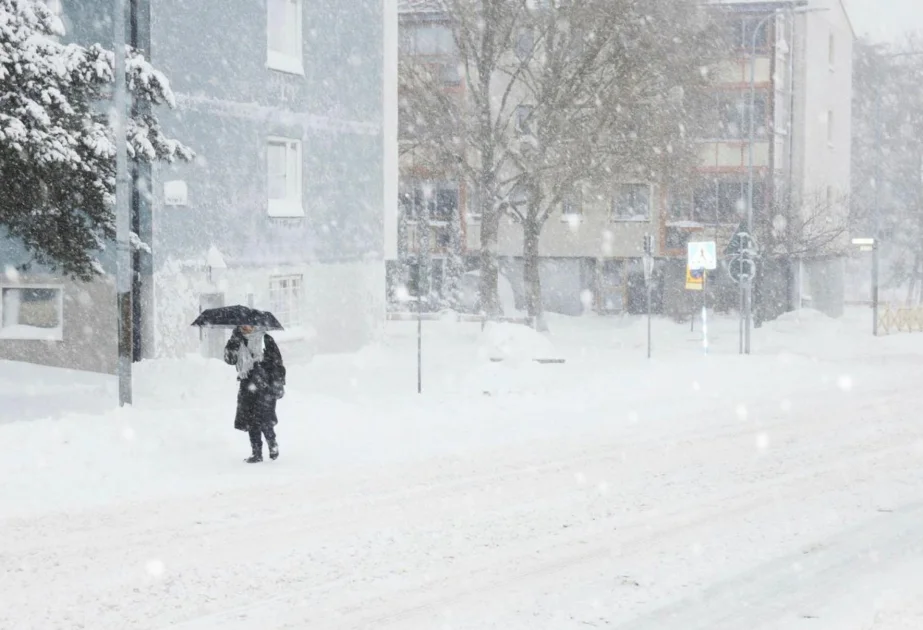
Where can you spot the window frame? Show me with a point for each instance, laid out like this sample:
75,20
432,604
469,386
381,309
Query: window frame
411,195
281,61
286,208
614,218
574,197
292,305
55,334
762,101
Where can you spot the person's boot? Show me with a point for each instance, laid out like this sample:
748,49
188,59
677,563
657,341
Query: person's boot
273,450
257,456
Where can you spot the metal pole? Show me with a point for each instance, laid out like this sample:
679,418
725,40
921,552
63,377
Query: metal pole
650,281
741,309
876,260
122,219
705,311
419,333
419,274
748,289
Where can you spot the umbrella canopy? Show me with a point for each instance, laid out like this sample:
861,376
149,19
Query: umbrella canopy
234,316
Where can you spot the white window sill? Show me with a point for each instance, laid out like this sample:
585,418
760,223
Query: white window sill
31,333
285,209
571,218
284,63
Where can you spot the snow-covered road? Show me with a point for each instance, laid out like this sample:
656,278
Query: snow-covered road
802,509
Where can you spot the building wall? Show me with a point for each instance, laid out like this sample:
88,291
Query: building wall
827,87
89,339
822,164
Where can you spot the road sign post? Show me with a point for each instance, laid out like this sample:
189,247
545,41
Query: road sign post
648,280
702,257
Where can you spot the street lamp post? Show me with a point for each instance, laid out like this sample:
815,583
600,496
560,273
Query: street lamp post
122,220
748,268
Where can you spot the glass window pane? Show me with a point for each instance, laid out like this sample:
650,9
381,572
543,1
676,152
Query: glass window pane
275,15
37,308
427,40
292,30
293,166
276,167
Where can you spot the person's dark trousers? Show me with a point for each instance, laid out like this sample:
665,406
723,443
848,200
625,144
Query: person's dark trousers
257,430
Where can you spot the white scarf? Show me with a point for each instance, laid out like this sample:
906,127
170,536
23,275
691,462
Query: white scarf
250,353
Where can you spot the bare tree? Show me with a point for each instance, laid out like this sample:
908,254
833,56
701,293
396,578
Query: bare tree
888,156
559,93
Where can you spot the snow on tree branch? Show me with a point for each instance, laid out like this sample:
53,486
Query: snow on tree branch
57,155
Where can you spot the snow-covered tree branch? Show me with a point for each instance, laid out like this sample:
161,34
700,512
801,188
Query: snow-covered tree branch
57,155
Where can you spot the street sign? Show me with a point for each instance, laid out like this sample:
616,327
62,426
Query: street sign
739,268
695,279
702,255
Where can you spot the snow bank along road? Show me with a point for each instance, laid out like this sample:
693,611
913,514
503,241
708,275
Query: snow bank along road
769,518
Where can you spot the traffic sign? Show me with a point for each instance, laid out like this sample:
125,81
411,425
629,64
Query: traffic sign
695,279
702,255
740,268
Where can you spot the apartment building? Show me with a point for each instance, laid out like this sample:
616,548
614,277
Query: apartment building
283,209
802,51
796,58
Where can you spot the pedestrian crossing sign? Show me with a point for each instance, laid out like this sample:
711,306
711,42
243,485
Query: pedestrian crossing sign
702,256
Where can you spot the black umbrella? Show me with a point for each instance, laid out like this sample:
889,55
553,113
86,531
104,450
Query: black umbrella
234,316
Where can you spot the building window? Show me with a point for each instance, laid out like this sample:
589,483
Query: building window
437,201
830,128
523,120
632,202
525,43
572,204
427,40
284,22
451,73
286,299
743,32
734,115
725,201
283,165
831,51
473,199
32,312
519,198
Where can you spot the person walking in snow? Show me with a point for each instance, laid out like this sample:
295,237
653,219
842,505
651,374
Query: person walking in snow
262,382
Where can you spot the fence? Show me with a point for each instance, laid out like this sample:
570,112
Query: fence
897,319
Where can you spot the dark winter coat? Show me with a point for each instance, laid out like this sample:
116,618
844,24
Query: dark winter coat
262,387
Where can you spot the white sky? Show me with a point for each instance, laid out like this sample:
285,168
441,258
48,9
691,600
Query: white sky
885,20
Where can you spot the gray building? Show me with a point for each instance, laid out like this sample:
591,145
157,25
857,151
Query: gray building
284,207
